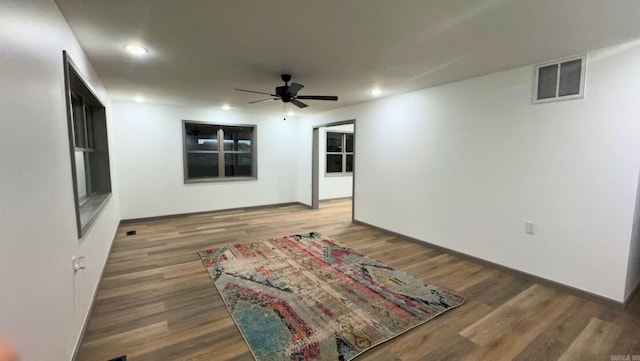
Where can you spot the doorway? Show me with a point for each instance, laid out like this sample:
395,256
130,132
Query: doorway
333,162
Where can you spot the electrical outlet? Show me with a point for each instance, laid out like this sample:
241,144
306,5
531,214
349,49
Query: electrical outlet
78,263
530,227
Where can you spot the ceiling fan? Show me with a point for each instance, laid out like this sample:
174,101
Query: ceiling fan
289,94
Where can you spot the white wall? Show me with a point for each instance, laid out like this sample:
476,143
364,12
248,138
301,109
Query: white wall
465,165
333,186
148,147
43,305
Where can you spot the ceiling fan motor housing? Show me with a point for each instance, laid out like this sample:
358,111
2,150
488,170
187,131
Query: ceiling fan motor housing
281,90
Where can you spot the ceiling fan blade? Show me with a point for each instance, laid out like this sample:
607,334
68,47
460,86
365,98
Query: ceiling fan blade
263,100
253,91
318,97
294,88
298,103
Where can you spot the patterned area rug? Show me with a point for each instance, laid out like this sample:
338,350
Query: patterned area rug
308,298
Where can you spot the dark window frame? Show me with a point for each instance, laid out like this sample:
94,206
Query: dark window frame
344,154
88,137
220,153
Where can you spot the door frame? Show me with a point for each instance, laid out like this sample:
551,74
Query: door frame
315,164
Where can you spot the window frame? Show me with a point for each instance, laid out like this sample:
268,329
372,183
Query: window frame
559,62
344,155
220,153
93,144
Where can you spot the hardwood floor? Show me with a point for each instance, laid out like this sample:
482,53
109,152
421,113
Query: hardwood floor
156,301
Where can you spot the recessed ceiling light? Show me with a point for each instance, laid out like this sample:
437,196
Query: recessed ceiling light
139,99
291,113
136,50
376,91
226,107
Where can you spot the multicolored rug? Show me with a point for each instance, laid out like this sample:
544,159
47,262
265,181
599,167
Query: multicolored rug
307,298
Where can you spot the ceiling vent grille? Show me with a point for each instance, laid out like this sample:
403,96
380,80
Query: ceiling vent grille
560,80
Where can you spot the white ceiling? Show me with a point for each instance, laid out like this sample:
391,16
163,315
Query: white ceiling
200,50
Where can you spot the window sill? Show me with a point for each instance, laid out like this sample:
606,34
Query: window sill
90,210
219,180
341,174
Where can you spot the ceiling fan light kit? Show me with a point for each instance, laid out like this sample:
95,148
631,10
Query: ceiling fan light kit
289,94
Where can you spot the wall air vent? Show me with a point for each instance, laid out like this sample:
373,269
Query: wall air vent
560,80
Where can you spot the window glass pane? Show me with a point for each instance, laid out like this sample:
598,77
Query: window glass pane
334,142
237,139
201,137
201,165
81,177
349,162
349,141
334,163
547,81
89,111
570,78
237,165
78,120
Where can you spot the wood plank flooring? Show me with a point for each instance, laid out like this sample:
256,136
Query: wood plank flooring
156,301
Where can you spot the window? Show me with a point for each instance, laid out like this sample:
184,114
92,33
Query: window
560,80
218,152
87,124
339,153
